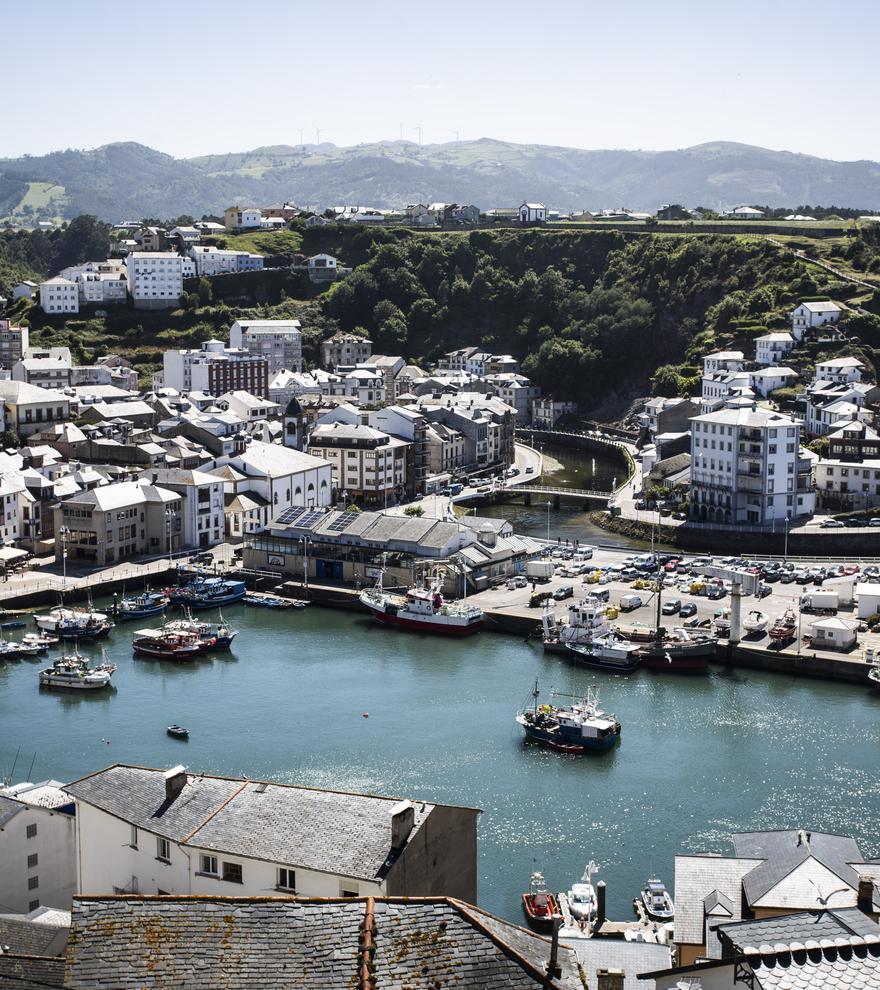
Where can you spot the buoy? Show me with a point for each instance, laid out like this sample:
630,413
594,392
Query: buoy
366,714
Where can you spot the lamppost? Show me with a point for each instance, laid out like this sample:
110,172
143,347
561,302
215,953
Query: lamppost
548,520
305,541
64,533
169,515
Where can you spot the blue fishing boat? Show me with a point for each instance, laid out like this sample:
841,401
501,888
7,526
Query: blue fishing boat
267,601
209,593
142,606
574,729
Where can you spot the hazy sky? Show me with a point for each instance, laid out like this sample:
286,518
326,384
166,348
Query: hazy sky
193,77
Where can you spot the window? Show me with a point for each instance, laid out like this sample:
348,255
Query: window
209,865
33,883
232,873
286,879
163,849
32,860
33,905
133,838
31,831
343,892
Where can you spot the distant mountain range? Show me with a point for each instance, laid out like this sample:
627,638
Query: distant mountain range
130,181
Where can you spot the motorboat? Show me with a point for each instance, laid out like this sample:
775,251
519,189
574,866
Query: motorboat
210,592
41,640
540,906
178,732
210,635
680,651
582,896
142,606
72,672
656,901
74,623
784,628
166,645
587,638
580,727
422,609
755,622
10,650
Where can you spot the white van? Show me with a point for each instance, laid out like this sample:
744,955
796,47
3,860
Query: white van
629,603
582,554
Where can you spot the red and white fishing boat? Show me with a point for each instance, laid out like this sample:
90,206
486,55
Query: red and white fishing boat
166,644
540,906
784,629
422,609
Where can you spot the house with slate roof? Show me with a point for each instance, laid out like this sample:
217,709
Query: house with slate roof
142,830
772,873
165,943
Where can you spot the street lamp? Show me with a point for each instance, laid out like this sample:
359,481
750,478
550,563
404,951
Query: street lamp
64,533
785,551
305,541
548,520
169,515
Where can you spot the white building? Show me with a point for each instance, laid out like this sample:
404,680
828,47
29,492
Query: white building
250,408
532,213
154,831
773,348
516,391
37,847
810,315
210,260
829,404
155,279
242,218
28,409
839,370
767,380
25,290
201,508
102,288
730,361
59,295
716,390
745,213
746,467
278,341
284,477
366,463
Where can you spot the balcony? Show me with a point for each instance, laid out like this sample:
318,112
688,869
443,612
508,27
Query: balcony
749,482
749,465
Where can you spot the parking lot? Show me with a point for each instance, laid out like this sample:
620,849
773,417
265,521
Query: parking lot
688,586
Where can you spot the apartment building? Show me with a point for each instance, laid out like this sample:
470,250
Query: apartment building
847,476
747,467
14,342
200,503
115,522
517,391
215,368
43,372
102,288
278,341
208,260
345,349
242,218
773,348
59,296
27,409
368,464
155,279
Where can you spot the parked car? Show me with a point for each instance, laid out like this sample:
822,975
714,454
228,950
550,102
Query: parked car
671,607
687,610
566,591
875,521
518,581
715,591
831,524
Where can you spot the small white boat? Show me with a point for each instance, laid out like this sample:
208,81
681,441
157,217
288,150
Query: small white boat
74,673
755,622
656,901
41,640
582,896
10,650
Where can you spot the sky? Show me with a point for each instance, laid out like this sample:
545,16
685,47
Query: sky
192,77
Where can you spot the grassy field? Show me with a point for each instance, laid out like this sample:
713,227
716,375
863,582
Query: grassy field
39,196
271,242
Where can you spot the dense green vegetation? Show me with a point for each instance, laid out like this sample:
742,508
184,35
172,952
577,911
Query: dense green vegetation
37,254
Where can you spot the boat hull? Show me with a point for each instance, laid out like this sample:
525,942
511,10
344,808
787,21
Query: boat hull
162,653
543,921
141,613
597,660
426,625
678,658
73,684
556,740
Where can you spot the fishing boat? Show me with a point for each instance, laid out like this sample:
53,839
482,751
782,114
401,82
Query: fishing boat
178,731
210,635
587,638
755,622
784,628
682,651
166,645
74,623
41,640
874,675
142,606
540,906
10,650
581,726
210,592
656,900
582,896
422,609
73,672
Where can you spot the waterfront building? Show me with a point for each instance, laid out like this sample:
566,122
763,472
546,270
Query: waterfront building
548,410
37,848
284,477
486,422
345,349
367,464
155,279
771,873
517,391
747,467
278,341
200,507
152,831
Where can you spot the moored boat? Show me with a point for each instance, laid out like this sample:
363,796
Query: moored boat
72,672
784,628
208,593
874,675
210,635
41,640
681,651
540,906
656,900
582,896
166,645
422,609
178,731
266,601
142,606
10,650
582,724
74,623
587,638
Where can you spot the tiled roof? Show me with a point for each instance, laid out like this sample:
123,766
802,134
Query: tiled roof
33,938
23,972
8,810
697,876
800,927
132,943
844,964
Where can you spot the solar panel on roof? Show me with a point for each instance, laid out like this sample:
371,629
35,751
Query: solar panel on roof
290,515
310,518
342,522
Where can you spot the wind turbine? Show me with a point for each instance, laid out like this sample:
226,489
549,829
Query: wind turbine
301,130
318,132
457,135
419,129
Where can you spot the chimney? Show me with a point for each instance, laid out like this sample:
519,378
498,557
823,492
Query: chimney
554,970
600,904
175,781
865,896
403,817
609,979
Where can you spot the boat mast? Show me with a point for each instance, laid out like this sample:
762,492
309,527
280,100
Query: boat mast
660,576
535,693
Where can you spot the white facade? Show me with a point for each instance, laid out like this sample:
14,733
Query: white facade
155,279
59,295
773,348
213,261
746,468
201,510
532,213
769,379
278,341
37,848
840,370
813,314
243,218
730,361
283,477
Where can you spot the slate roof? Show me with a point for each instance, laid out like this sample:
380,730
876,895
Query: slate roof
153,943
8,809
800,927
634,958
330,831
844,964
697,876
23,972
33,938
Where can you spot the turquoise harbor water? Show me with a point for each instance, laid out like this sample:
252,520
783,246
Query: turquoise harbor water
699,757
